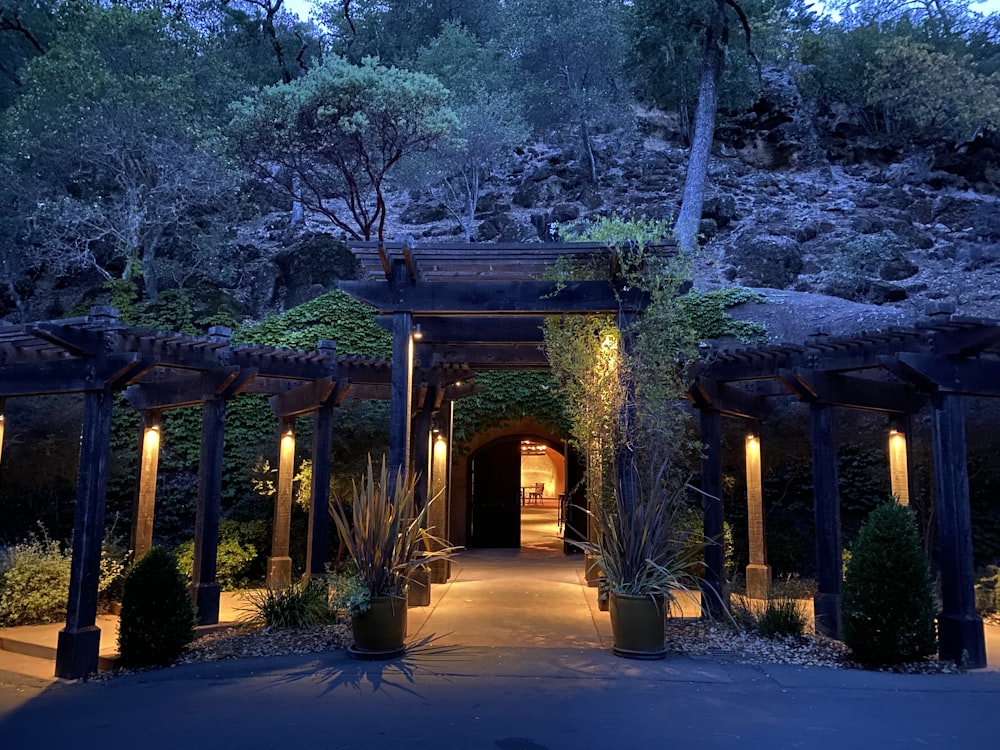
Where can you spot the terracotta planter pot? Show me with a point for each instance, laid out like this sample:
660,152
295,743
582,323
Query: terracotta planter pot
380,633
637,626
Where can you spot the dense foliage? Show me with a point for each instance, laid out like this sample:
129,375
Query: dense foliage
887,607
157,618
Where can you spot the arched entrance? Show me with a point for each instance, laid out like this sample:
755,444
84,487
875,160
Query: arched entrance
507,475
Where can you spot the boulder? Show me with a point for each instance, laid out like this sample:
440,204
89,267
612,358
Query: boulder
766,260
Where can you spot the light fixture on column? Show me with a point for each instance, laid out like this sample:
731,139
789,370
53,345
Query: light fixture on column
418,332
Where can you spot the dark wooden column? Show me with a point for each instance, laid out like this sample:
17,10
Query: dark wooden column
400,405
204,588
960,630
713,584
279,564
319,500
144,506
79,642
826,507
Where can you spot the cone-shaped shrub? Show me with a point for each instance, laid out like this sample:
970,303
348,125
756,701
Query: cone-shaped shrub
157,618
888,611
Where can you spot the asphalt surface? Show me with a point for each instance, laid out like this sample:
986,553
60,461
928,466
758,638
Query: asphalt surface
473,698
512,655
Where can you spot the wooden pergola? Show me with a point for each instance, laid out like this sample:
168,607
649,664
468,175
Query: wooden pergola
895,372
479,305
98,356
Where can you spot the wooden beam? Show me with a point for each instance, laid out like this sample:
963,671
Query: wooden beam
478,329
852,392
494,356
304,399
826,510
182,389
523,297
970,377
727,398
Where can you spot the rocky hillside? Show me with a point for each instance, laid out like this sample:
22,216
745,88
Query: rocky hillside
795,203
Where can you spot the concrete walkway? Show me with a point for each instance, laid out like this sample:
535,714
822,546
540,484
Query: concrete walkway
511,654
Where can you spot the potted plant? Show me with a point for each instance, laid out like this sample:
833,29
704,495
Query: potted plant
383,532
647,560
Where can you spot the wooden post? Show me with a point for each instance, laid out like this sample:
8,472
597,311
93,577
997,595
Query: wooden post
319,500
826,508
899,463
960,630
144,507
440,503
204,588
758,571
79,643
713,583
279,564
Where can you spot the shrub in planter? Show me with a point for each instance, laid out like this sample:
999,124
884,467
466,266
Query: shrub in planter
157,617
887,607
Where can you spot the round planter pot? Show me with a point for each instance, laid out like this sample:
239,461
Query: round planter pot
380,633
637,626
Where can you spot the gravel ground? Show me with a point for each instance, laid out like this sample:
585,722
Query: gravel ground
684,637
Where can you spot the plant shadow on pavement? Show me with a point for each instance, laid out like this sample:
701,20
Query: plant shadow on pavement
382,676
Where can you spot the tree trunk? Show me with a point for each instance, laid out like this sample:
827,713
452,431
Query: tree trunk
689,218
588,151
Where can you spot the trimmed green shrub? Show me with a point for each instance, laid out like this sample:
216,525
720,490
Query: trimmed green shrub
301,605
157,617
34,582
887,608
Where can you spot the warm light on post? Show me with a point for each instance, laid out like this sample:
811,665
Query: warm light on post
898,469
758,573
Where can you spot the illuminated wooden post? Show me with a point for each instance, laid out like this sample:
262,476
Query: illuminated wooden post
899,448
279,564
440,504
3,419
758,571
144,506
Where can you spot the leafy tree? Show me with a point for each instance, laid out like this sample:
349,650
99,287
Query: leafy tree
570,58
329,137
489,125
394,32
25,29
112,132
922,91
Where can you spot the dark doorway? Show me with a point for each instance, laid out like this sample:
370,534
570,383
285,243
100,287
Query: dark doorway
495,510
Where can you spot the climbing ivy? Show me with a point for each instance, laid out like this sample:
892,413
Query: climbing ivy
507,396
333,316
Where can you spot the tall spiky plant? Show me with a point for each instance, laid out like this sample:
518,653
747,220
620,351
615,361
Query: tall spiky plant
384,532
